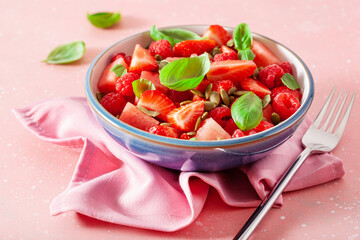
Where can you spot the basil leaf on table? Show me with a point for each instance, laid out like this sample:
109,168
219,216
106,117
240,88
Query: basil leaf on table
185,73
247,111
104,19
141,85
119,70
289,81
243,41
66,53
173,35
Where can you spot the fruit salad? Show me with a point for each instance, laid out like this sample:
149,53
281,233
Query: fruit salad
210,87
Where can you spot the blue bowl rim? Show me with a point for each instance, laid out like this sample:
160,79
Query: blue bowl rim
110,119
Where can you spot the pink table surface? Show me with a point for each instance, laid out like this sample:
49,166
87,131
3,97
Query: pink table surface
325,34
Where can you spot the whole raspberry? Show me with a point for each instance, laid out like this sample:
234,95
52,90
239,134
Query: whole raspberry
230,126
286,67
222,84
284,89
237,133
221,115
124,84
113,102
162,48
226,56
117,56
270,76
164,131
285,105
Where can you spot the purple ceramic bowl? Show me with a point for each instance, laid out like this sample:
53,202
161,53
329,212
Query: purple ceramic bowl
184,155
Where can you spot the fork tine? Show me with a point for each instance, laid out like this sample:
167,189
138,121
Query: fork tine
321,114
340,130
326,123
338,113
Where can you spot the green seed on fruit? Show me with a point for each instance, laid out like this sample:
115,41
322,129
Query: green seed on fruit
192,133
275,118
163,63
215,51
224,97
232,90
232,99
230,43
185,102
197,92
166,124
208,90
256,73
239,93
99,96
214,97
208,105
197,124
204,116
148,112
266,100
158,57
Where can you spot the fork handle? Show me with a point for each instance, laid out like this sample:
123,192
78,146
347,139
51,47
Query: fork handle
269,200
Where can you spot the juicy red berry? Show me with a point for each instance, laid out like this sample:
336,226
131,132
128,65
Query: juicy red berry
237,133
113,102
202,86
226,56
124,84
128,60
270,76
178,97
230,126
222,84
285,105
185,136
286,67
221,115
162,48
284,89
165,131
117,56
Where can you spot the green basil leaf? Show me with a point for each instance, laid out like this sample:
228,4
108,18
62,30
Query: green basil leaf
246,54
119,70
185,73
247,111
104,19
66,53
141,85
242,37
290,81
174,35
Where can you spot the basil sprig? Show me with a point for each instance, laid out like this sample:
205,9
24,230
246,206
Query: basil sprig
185,73
104,19
173,35
66,53
119,70
247,111
290,81
243,41
141,85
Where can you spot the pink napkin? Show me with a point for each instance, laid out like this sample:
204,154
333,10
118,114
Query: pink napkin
112,185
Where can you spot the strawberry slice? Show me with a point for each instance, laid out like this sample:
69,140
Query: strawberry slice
142,60
164,131
263,56
231,69
184,117
250,84
225,49
218,34
155,100
154,78
188,47
107,81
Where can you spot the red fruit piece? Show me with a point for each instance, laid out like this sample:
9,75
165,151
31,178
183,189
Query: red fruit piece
263,125
177,96
218,34
107,81
113,102
267,111
226,56
237,134
263,56
211,130
137,118
221,115
222,84
124,84
286,67
154,78
188,47
225,49
271,76
142,60
285,89
155,100
250,84
285,105
162,48
117,56
197,98
231,70
184,117
202,86
165,131
230,126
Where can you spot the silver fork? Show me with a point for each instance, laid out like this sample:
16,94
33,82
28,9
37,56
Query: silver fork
317,139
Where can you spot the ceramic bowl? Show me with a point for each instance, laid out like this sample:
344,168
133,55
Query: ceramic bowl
184,155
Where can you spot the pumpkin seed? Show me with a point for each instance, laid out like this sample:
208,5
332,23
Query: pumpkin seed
197,92
256,73
208,105
215,51
185,102
163,63
266,100
232,99
197,124
148,112
214,97
158,57
275,118
117,116
224,97
208,90
223,105
166,124
232,90
204,116
99,96
230,43
192,133
240,93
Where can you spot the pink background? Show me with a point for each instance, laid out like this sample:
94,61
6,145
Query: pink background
325,34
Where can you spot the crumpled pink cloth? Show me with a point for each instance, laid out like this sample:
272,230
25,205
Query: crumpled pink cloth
112,185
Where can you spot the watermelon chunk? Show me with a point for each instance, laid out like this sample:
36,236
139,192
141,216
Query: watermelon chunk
211,130
136,118
108,78
263,56
154,78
